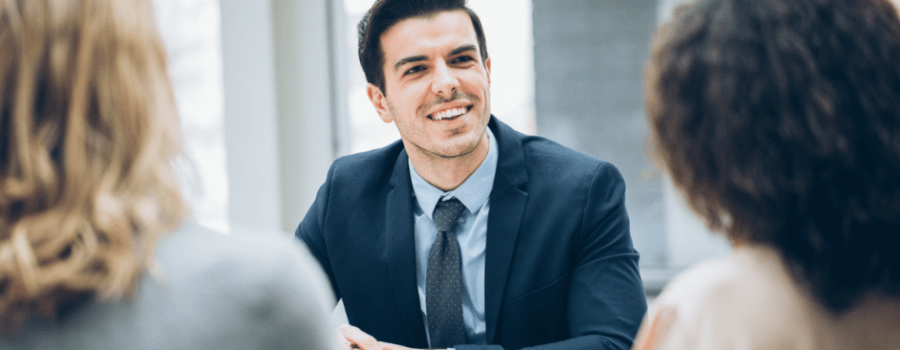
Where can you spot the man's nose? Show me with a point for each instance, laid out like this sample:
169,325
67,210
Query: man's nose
445,82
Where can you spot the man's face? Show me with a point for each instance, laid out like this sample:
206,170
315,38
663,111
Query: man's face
437,87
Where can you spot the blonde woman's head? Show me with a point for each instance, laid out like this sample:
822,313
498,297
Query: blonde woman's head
88,134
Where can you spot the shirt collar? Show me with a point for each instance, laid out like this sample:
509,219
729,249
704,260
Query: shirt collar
473,192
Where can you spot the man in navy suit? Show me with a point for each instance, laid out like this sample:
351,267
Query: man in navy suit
465,233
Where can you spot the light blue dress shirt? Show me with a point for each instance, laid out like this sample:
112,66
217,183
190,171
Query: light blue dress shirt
471,232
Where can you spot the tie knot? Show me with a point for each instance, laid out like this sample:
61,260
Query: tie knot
446,213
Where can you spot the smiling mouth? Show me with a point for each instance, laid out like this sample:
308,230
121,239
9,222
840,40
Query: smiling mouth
450,114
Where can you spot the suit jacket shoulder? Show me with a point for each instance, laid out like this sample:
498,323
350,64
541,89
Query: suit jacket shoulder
363,170
545,157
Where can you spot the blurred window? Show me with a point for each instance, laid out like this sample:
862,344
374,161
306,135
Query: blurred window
191,33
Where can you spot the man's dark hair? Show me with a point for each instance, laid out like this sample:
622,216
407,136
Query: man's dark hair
780,121
386,13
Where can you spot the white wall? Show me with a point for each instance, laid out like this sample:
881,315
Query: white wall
304,90
251,124
190,31
277,109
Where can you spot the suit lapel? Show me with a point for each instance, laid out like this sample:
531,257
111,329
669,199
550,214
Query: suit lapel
508,200
401,251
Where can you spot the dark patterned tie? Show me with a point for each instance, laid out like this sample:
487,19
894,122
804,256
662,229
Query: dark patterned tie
443,286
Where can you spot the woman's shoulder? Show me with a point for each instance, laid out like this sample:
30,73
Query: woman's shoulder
746,273
238,290
245,290
242,268
196,251
732,302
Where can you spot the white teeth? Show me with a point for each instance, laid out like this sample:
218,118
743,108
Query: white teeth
449,113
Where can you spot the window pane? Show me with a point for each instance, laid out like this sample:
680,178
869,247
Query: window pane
191,34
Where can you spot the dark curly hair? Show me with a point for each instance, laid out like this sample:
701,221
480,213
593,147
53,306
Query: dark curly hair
780,121
385,13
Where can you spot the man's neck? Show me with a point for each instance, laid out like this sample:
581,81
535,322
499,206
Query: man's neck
448,173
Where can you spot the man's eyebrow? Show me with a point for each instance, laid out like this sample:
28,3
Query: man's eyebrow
410,59
419,58
462,49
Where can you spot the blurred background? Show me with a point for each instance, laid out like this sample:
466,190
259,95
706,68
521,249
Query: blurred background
270,93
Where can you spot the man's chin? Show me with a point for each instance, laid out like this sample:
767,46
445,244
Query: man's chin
459,150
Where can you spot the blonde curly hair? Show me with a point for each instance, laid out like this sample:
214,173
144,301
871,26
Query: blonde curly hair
88,136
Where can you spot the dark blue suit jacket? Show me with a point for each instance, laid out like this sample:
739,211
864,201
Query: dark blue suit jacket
560,268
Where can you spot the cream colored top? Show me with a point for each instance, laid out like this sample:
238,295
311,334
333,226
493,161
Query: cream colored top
748,301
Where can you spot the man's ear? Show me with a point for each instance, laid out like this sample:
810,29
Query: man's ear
487,70
380,103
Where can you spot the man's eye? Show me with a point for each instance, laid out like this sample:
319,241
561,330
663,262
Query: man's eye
414,70
463,59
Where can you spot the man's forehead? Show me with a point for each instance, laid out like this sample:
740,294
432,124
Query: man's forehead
447,30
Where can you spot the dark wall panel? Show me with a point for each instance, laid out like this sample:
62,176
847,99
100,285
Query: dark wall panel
589,60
